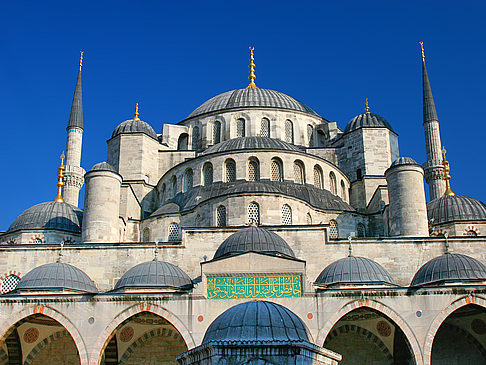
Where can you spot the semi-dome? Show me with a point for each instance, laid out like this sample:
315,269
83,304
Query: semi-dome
257,321
103,166
455,208
56,276
247,98
251,143
450,267
354,270
254,239
49,216
367,120
134,126
154,275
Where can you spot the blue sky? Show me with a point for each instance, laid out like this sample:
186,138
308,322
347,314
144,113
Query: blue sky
172,56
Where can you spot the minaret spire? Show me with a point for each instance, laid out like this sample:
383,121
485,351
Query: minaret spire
76,115
252,76
433,168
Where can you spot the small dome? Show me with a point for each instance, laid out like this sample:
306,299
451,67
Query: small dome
257,321
49,215
367,120
450,267
103,166
57,276
456,208
354,270
154,275
134,126
404,161
247,98
251,143
254,239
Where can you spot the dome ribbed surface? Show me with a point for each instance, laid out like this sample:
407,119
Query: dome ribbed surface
404,161
134,126
354,270
455,208
49,215
154,274
251,143
57,276
103,166
367,120
257,321
254,239
450,267
245,98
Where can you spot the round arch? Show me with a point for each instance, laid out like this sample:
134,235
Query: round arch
42,344
104,337
442,316
8,325
382,309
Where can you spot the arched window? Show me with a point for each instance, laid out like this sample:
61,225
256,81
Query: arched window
254,213
182,142
188,179
230,170
333,229
343,191
332,183
299,175
289,131
146,235
208,174
361,231
240,127
310,135
174,185
196,139
308,218
221,216
318,181
286,215
9,283
265,128
253,169
216,132
276,170
174,233
162,193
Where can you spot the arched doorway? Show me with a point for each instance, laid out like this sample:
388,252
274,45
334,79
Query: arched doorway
144,338
366,336
461,338
36,340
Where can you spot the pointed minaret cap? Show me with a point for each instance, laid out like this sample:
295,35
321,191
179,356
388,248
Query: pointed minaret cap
76,115
430,113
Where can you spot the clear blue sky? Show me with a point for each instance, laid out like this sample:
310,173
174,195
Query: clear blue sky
171,56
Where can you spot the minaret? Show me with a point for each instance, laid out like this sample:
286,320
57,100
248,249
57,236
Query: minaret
74,175
433,167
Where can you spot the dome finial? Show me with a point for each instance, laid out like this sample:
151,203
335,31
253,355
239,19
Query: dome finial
60,181
367,108
350,247
423,52
447,177
446,236
81,60
61,252
136,113
252,76
156,250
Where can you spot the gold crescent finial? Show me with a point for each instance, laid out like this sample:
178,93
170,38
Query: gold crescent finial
60,181
447,176
252,76
81,60
423,52
136,112
367,108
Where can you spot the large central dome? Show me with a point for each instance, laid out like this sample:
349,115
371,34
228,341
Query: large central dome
244,98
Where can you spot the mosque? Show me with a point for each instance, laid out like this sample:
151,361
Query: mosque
253,232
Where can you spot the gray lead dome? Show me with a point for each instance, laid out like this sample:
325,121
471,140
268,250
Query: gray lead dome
455,208
134,126
367,120
244,98
251,143
257,321
103,166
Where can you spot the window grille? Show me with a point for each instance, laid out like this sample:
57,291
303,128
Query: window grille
360,228
240,127
289,131
254,213
343,191
146,235
265,128
230,171
298,173
276,171
174,233
286,215
221,216
308,218
216,132
332,183
208,174
188,179
253,170
310,134
196,139
333,229
318,177
9,284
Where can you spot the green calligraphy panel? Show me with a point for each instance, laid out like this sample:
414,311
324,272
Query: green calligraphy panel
254,287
